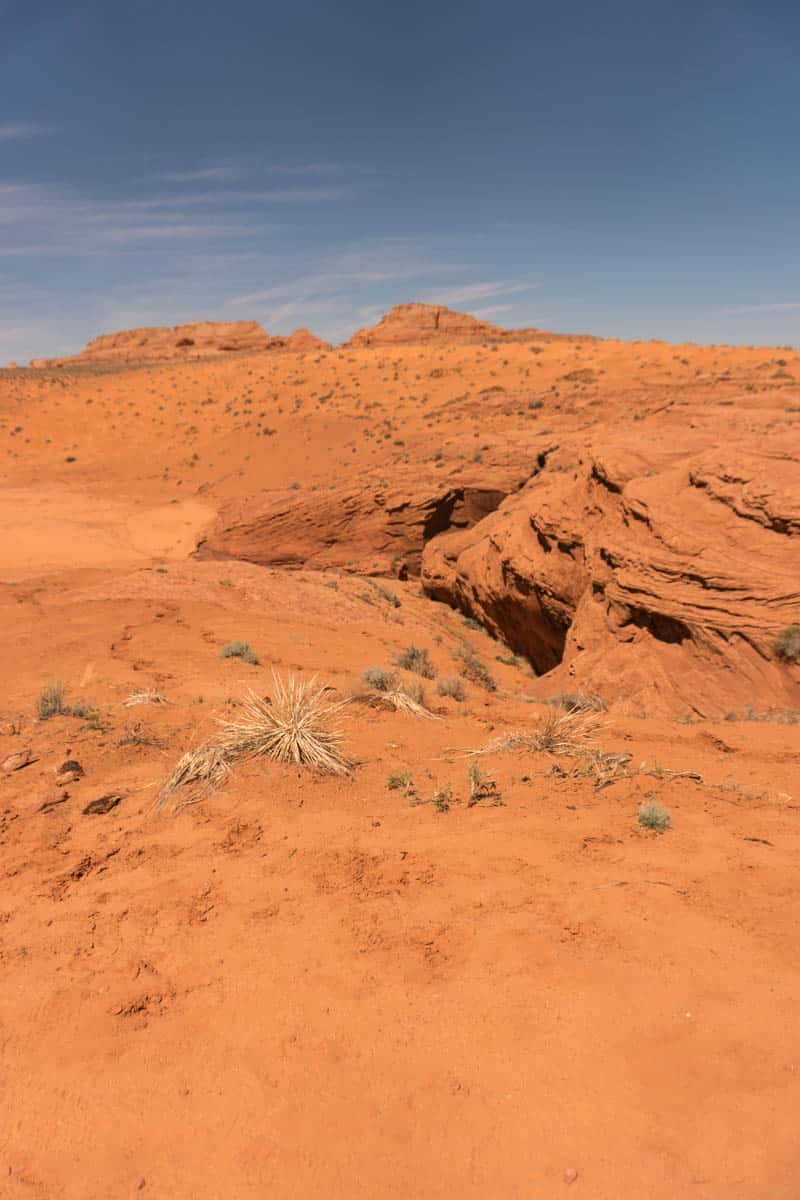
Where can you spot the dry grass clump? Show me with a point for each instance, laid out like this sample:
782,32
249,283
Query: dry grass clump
240,650
473,668
452,687
417,659
566,733
379,679
579,700
51,701
204,769
408,698
145,697
292,726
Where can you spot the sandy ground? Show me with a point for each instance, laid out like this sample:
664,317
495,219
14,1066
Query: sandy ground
306,986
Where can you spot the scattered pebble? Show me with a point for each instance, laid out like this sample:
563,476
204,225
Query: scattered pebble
52,801
69,772
103,804
15,762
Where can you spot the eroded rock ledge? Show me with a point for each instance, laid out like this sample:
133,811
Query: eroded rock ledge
656,576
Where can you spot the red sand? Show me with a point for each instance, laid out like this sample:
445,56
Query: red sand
306,986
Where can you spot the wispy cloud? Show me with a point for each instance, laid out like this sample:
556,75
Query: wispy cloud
468,293
220,172
351,269
237,197
15,131
494,310
309,169
46,220
746,310
351,170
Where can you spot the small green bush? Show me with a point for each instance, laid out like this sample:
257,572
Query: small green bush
380,679
653,816
416,659
388,595
787,644
398,779
51,702
442,799
450,686
474,668
240,650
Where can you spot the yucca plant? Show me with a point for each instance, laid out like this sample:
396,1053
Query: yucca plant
291,726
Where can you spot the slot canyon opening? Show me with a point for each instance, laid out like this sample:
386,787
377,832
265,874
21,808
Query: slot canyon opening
532,632
461,508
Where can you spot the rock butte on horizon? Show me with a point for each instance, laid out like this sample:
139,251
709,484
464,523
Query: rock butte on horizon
200,338
402,324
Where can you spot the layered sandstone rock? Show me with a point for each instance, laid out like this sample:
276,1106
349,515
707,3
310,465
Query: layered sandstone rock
408,323
657,577
363,526
185,341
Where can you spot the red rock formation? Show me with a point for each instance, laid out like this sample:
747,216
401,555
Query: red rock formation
657,576
433,322
185,341
303,341
362,527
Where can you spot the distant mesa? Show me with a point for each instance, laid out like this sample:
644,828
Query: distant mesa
405,324
408,323
301,340
196,340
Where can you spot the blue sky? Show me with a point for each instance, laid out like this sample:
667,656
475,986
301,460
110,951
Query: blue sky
627,169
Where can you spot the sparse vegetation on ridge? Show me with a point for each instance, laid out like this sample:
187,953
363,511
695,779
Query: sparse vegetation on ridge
240,650
416,659
653,816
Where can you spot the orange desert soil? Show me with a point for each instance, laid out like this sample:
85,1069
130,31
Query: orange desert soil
305,986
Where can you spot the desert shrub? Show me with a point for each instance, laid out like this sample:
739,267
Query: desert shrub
561,733
202,770
442,799
416,659
380,679
398,779
481,787
388,595
291,726
51,701
579,701
474,668
511,661
787,644
451,686
240,650
653,816
393,695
